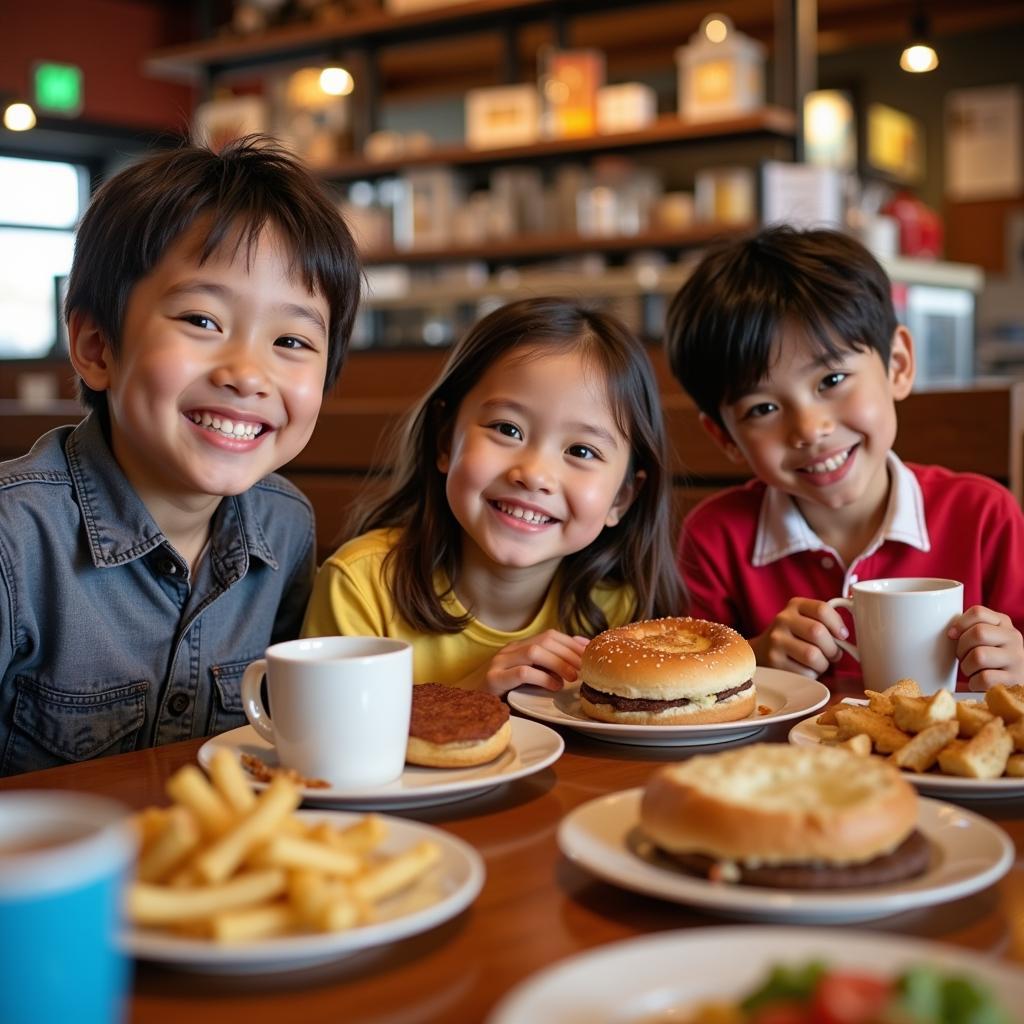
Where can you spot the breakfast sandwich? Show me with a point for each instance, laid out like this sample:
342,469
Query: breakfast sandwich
790,817
672,671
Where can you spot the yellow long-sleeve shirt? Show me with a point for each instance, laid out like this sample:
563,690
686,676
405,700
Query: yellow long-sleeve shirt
351,598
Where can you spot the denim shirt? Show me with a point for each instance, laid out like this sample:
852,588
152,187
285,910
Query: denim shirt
107,642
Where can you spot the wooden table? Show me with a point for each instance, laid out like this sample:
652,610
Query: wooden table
535,908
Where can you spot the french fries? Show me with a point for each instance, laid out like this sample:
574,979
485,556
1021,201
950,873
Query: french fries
970,738
225,864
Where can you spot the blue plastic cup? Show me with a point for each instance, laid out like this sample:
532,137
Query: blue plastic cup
64,861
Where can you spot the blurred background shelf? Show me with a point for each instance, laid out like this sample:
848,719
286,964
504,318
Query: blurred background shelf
525,246
667,130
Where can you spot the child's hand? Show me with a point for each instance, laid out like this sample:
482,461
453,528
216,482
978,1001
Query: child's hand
802,638
549,659
990,650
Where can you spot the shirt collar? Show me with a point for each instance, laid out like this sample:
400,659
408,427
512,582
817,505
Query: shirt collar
783,531
120,528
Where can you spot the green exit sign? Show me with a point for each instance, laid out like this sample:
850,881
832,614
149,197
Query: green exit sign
58,88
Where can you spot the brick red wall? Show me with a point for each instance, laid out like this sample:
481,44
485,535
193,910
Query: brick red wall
108,40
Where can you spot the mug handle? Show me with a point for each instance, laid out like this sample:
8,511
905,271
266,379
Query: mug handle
252,702
836,602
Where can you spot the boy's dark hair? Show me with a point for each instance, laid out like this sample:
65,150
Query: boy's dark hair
140,212
637,550
723,325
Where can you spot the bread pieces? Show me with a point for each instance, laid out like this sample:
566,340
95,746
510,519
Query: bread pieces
885,736
984,756
970,738
1004,702
922,751
913,714
1016,733
859,745
973,716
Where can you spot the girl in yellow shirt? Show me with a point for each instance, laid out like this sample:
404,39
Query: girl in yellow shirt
529,509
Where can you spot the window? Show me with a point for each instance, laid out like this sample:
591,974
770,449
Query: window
40,203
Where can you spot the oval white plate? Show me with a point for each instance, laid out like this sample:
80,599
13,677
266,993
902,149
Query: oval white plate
533,748
968,853
787,694
637,978
809,734
442,893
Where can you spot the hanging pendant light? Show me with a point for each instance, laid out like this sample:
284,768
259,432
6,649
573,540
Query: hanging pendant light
919,55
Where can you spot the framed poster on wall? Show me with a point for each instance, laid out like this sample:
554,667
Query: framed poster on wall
894,143
984,143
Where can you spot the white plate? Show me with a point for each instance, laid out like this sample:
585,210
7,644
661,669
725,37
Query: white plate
533,748
442,893
809,734
968,853
639,978
787,694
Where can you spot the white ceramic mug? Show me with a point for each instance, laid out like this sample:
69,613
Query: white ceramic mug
901,631
339,707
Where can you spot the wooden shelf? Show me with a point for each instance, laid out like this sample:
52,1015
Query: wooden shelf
610,283
550,245
287,42
666,130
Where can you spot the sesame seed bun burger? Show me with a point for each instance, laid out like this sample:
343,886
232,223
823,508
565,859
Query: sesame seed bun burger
674,671
781,816
453,728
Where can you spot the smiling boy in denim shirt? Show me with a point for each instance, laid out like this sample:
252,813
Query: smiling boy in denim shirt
149,553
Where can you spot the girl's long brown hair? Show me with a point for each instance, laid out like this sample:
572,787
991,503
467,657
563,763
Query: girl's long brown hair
636,551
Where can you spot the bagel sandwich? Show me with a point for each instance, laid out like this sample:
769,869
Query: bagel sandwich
671,671
781,816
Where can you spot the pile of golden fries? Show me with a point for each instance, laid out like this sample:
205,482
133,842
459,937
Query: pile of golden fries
225,864
970,738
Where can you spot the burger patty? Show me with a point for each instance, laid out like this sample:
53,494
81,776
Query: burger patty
644,704
909,859
446,714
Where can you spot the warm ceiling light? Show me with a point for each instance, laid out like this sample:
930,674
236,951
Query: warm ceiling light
919,54
336,81
19,117
716,28
919,57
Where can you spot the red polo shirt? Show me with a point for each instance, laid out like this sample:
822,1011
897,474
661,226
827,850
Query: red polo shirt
745,552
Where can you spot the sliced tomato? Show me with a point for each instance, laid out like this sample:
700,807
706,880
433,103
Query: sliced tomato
782,1013
846,998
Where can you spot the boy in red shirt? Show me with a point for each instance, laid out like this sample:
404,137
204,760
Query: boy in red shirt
788,343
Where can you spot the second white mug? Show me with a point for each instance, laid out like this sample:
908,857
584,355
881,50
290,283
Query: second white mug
901,631
339,707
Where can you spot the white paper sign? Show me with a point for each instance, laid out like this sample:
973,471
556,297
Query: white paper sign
984,158
802,195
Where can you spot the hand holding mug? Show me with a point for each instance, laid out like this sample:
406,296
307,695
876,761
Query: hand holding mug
802,638
989,648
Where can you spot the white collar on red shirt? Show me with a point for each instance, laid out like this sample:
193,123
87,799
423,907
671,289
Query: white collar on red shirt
783,531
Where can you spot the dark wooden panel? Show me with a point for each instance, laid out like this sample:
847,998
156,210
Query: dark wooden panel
20,429
332,497
350,435
967,431
976,232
